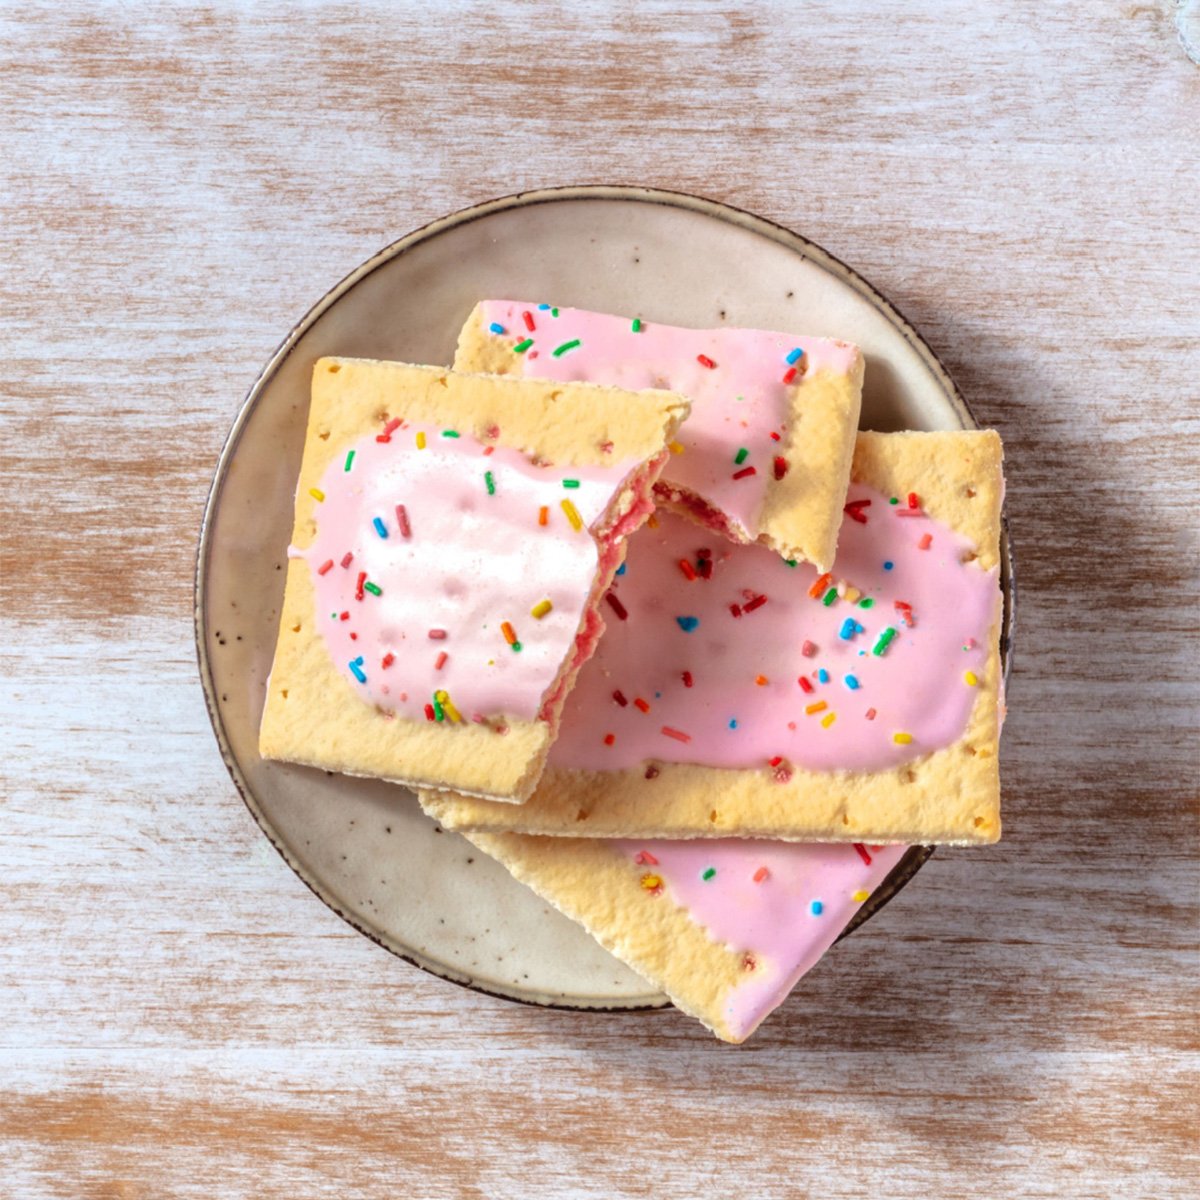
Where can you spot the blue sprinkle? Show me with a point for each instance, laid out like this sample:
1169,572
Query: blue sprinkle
496,327
852,683
817,908
823,675
887,566
621,569
847,630
732,722
794,355
380,527
544,307
356,668
687,624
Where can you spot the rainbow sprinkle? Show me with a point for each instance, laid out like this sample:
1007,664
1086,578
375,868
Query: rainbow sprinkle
883,641
522,345
970,679
572,515
380,527
540,609
859,896
687,624
420,439
566,347
793,356
816,908
349,460
316,494
570,483
355,665
852,683
490,480
374,589
741,456
636,326
496,327
902,739
708,873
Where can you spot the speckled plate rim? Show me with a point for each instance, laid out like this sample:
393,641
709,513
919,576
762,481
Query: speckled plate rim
916,857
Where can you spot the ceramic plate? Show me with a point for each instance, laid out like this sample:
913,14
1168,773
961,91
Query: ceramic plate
363,846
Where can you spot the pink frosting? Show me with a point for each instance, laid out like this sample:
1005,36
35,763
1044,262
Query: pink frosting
739,401
726,690
471,561
781,904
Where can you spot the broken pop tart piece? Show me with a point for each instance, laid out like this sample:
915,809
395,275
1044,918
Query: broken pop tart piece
764,455
725,928
453,537
744,696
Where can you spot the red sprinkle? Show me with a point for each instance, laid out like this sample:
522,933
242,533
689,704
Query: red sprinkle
437,635
402,521
757,602
640,703
620,699
677,734
687,568
344,617
925,542
805,685
781,466
808,649
527,317
913,502
645,859
388,659
651,772
705,361
687,679
854,510
616,605
389,429
870,714
441,661
789,374
908,512
327,565
358,587
609,739
704,566
429,713
776,760
745,472
862,853
736,609
354,637
761,874
347,558
488,450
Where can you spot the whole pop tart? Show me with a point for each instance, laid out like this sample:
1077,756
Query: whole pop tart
453,537
740,694
764,455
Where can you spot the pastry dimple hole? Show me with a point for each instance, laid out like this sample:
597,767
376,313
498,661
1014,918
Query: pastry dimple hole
581,815
970,493
712,816
296,627
967,556
334,368
979,821
845,819
283,692
910,776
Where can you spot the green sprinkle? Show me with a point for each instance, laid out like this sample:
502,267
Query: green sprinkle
830,597
373,588
516,646
894,500
741,456
490,481
636,326
450,433
866,602
521,347
438,714
571,483
708,873
883,641
349,460
791,562
571,345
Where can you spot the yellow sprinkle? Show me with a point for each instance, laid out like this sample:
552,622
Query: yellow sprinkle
572,515
820,706
852,594
828,720
675,447
421,440
443,698
859,896
971,678
901,739
540,609
316,493
652,882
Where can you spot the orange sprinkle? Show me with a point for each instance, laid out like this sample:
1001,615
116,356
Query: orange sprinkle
818,589
761,874
544,515
761,680
510,634
640,703
925,542
820,706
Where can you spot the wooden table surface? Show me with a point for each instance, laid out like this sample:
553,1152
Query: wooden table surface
179,1016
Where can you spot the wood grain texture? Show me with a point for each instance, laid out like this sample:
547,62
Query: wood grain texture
178,1015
